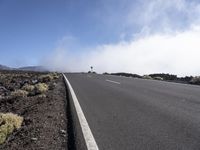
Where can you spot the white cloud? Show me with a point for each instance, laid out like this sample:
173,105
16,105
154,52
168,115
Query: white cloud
165,15
170,53
176,53
176,50
61,58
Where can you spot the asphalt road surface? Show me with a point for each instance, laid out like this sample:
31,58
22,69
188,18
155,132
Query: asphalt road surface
136,114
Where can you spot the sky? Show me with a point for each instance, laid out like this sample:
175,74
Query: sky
135,36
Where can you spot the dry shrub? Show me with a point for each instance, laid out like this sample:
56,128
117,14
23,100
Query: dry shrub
195,80
46,78
55,75
41,88
158,78
49,77
2,76
19,93
52,85
42,96
28,88
8,123
147,77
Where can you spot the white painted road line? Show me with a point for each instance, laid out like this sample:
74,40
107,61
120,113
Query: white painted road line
112,81
89,138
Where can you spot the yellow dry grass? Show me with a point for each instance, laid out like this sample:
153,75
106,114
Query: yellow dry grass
41,88
19,93
8,123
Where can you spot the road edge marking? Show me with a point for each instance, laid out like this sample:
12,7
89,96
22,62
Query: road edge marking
113,81
87,133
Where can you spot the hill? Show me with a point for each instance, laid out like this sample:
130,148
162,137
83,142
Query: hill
2,67
34,68
26,68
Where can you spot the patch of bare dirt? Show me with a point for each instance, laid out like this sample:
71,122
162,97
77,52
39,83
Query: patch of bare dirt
45,124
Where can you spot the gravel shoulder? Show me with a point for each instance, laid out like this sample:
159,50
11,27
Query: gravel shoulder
45,122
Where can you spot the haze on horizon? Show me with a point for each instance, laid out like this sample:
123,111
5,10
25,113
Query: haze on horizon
140,36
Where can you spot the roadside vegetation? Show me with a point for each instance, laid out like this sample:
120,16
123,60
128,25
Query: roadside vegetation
195,80
26,117
158,78
19,93
8,123
147,77
41,88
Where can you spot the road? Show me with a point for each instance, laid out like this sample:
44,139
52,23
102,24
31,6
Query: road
136,114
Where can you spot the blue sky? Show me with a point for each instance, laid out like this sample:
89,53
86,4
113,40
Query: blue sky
71,35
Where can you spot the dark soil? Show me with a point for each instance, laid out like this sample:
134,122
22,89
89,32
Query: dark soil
45,124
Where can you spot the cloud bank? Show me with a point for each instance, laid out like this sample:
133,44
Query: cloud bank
165,16
173,46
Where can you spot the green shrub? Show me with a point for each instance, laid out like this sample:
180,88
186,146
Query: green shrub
8,123
41,88
19,93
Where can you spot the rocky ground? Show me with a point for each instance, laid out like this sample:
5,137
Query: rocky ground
40,98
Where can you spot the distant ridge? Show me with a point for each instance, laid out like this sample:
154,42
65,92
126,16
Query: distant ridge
3,67
34,68
26,68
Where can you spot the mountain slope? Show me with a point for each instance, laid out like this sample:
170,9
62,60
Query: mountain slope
3,67
33,68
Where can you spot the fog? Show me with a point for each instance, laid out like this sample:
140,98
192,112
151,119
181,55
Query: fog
176,53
